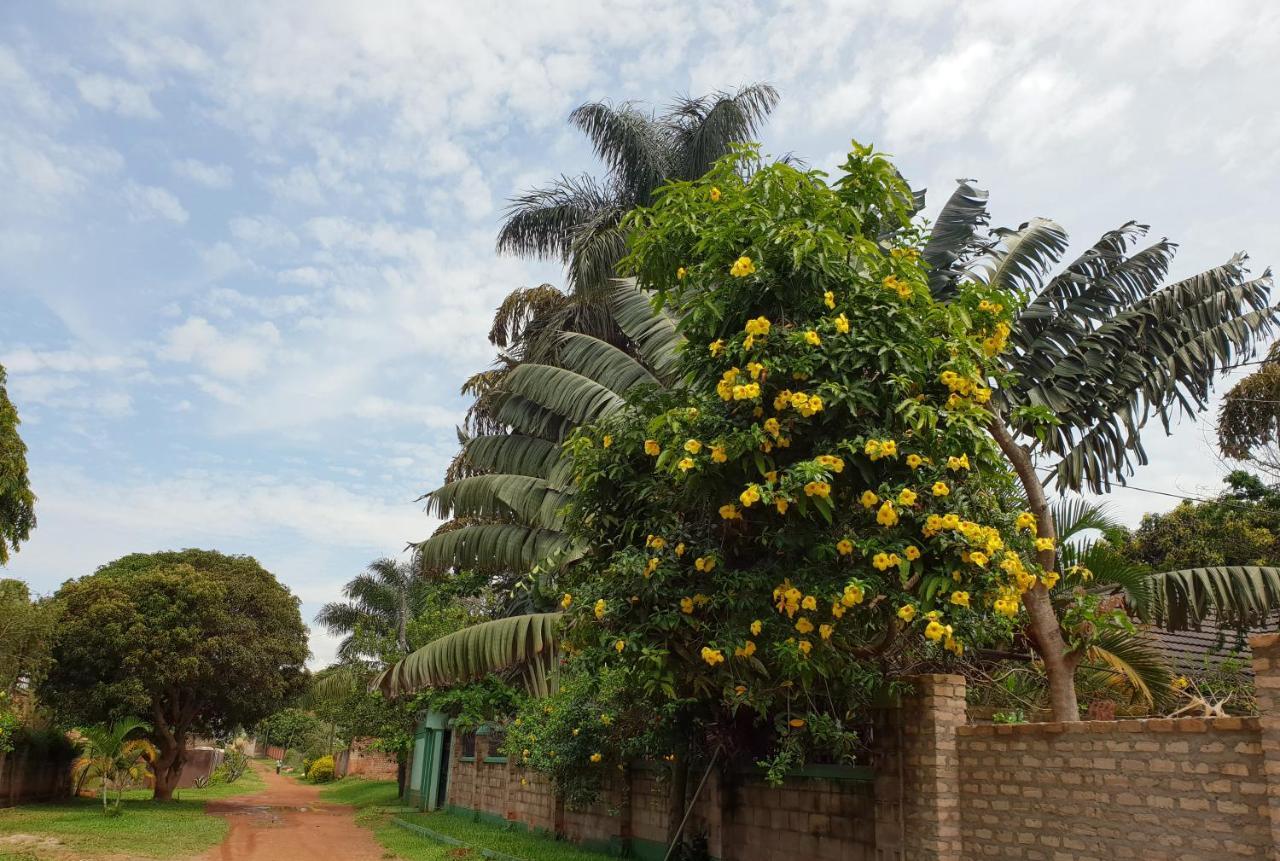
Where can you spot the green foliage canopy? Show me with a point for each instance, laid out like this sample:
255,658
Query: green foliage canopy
191,639
821,495
17,501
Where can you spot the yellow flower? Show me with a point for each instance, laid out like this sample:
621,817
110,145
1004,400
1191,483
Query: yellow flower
601,608
940,488
742,267
935,630
715,194
686,605
796,722
566,600
716,347
887,515
883,561
607,441
1027,521
718,454
889,447
829,299
817,488
595,757
729,511
805,647
824,631
1181,683
746,650
772,427
913,552
686,464
842,324
756,627
757,327
958,463
712,656
652,448
704,563
740,689
619,646
750,496
950,521
844,546
960,599
606,719
837,610
978,558
1044,543
907,612
852,595
831,462
812,338
1049,579
907,497
650,567
809,603
680,273
868,499
914,461
803,625
781,504
680,549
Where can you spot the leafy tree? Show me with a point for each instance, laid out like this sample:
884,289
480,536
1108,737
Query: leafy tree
1089,356
17,502
26,634
190,640
112,757
289,728
1249,418
815,506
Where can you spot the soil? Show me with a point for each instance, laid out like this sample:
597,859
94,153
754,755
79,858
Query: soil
287,821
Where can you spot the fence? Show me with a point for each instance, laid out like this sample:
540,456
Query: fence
33,773
940,789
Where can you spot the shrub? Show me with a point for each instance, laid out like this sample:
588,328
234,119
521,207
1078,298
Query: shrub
321,771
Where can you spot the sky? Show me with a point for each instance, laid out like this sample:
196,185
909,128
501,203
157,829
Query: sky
246,249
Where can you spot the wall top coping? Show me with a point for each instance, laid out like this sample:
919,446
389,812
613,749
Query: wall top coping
1227,724
1264,641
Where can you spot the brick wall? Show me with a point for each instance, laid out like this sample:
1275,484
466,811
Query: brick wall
1134,789
30,774
361,761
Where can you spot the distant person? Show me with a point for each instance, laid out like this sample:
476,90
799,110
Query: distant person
279,765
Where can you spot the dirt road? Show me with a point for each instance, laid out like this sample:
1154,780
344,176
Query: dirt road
288,821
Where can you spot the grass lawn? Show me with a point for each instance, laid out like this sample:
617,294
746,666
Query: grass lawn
377,801
145,828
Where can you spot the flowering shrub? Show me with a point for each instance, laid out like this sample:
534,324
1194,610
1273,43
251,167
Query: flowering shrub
322,770
819,503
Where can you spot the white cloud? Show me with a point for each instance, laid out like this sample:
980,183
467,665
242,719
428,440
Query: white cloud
148,202
119,96
227,357
28,361
203,173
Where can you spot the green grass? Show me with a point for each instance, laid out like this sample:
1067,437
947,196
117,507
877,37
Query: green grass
509,841
362,793
144,828
377,801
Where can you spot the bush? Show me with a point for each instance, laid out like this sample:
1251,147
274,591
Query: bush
321,771
233,766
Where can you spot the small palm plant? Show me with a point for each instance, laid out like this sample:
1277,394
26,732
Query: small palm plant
110,756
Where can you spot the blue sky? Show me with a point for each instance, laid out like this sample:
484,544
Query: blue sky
246,250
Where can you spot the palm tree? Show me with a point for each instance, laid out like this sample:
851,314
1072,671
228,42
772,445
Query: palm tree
1095,352
506,490
578,220
381,603
112,757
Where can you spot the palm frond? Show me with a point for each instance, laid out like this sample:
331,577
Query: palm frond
1021,257
1234,596
528,499
514,454
954,237
705,128
601,362
632,144
1074,515
653,332
1129,663
543,222
493,547
528,642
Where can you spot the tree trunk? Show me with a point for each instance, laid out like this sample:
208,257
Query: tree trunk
1046,633
402,771
167,769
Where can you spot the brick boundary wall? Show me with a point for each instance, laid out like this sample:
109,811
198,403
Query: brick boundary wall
1171,790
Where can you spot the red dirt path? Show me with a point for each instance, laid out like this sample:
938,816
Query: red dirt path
288,821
